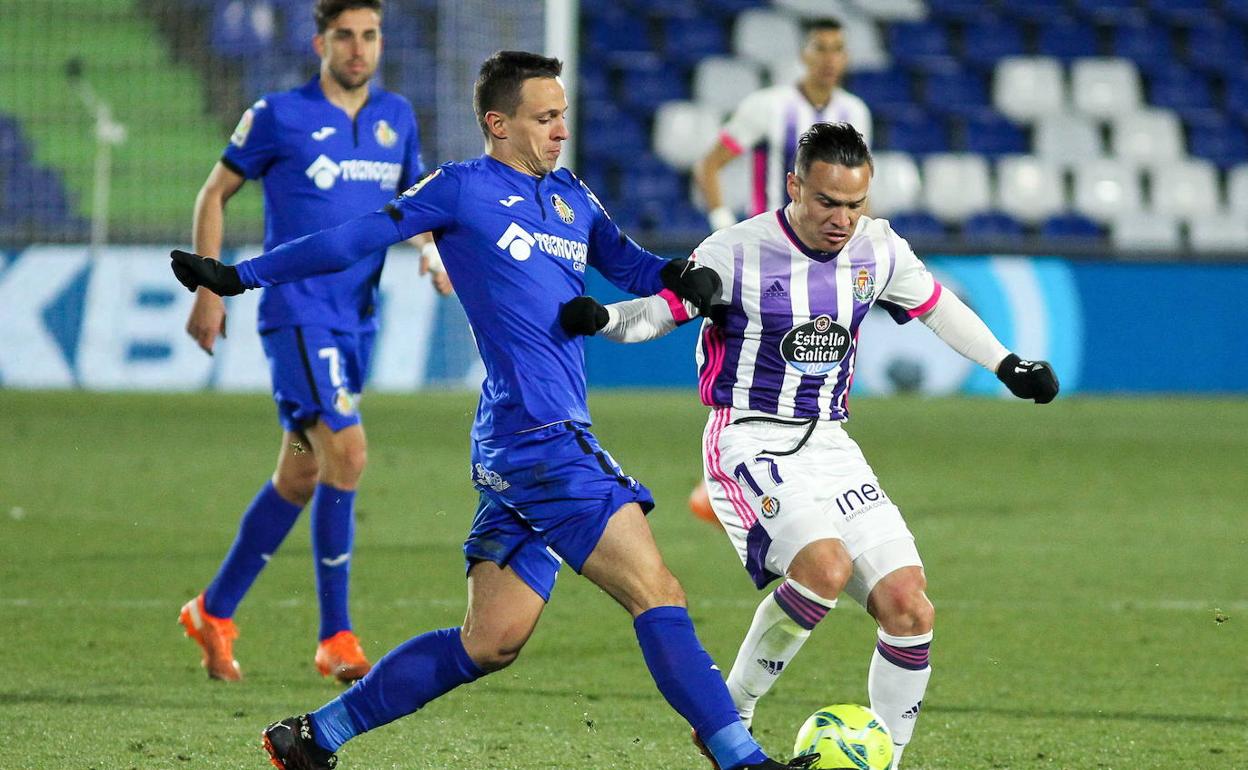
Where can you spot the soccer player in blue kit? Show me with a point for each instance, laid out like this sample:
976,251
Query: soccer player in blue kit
516,236
328,151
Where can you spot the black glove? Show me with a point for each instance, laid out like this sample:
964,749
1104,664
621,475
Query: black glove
194,271
1028,379
697,285
583,315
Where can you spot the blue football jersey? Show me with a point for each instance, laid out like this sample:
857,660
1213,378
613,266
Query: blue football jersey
320,168
516,248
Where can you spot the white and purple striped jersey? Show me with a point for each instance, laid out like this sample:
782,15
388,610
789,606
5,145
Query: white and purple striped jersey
785,329
768,123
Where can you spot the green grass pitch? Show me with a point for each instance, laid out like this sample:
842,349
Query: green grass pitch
1088,561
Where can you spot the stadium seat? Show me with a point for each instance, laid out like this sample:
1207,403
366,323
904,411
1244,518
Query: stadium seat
1067,39
684,132
767,37
1111,11
242,28
687,41
1236,11
917,224
1029,189
1035,10
618,34
1237,190
719,82
1105,87
984,43
1071,226
914,131
988,132
1180,89
895,187
730,8
895,10
1235,98
1218,139
956,186
838,9
646,83
954,91
911,42
1106,189
1147,138
958,10
298,27
1182,12
994,226
1219,232
884,88
647,178
1028,87
612,135
864,44
1185,189
1067,139
1215,47
1148,45
1146,232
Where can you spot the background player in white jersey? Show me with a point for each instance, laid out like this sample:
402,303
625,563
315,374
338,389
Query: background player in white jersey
769,121
776,359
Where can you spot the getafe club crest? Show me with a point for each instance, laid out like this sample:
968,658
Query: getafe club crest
344,404
564,211
864,285
385,135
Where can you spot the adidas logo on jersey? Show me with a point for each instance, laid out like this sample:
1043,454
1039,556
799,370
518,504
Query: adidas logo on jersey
773,667
324,172
775,291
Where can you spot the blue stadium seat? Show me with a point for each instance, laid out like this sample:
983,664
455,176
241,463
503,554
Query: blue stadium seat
883,88
985,42
730,8
1036,10
601,181
648,179
955,92
917,224
1180,89
1066,39
914,131
689,40
239,28
1218,139
1236,10
666,9
913,41
1148,45
960,10
618,33
1182,12
1071,225
1235,98
612,136
1216,47
994,225
1111,11
645,84
990,133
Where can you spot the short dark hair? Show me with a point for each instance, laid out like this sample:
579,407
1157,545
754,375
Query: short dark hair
325,11
839,144
820,24
501,78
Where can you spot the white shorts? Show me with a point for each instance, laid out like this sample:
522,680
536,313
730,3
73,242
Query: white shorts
774,504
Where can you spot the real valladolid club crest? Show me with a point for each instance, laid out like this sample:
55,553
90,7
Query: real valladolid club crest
564,211
385,135
864,285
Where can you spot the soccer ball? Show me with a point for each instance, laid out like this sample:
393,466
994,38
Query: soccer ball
846,736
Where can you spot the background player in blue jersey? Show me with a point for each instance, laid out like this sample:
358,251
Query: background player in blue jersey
516,236
330,150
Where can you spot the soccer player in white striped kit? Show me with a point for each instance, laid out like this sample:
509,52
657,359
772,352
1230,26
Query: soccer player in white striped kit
776,360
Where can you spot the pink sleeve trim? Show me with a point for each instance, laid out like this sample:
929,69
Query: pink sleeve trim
730,143
679,314
931,302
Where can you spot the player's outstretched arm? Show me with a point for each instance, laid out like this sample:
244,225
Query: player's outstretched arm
634,320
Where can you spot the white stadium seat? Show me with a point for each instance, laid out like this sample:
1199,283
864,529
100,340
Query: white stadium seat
1187,189
896,185
864,45
1067,139
720,82
1225,232
956,185
1237,190
1029,189
1105,87
767,37
1107,189
1026,88
1143,231
1152,137
684,132
838,9
896,10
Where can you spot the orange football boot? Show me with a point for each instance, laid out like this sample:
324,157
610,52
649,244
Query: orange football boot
215,637
342,656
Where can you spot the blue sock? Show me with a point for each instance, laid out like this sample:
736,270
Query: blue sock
692,684
333,530
409,676
265,524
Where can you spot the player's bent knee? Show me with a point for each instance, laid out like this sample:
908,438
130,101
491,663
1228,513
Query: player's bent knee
295,487
823,567
902,608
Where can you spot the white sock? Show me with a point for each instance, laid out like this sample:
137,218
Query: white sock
896,682
771,643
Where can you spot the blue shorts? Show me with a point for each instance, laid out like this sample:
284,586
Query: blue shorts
546,496
317,374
